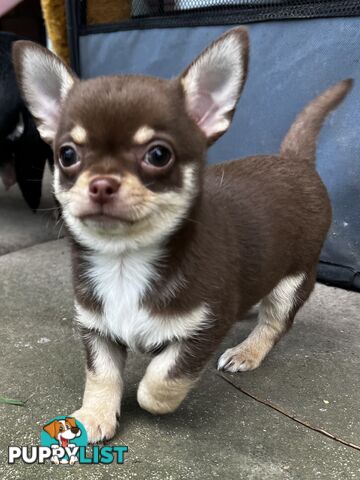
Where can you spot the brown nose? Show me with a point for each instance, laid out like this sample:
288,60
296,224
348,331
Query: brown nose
103,190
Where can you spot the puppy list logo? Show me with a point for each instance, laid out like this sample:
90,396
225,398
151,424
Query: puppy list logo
64,441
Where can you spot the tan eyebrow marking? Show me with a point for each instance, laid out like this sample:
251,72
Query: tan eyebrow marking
143,134
78,134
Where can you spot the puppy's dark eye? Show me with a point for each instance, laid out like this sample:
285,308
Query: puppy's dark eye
158,156
68,157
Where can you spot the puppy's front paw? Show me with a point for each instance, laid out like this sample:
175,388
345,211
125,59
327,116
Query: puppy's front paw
156,404
99,425
164,396
239,359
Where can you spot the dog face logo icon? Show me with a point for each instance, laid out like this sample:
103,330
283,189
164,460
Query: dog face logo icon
63,430
64,435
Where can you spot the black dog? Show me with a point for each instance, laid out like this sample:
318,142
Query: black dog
23,153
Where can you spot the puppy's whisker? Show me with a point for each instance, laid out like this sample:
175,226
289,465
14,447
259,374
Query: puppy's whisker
188,219
60,230
48,209
222,177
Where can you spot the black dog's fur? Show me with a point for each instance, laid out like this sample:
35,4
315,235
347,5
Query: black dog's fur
22,159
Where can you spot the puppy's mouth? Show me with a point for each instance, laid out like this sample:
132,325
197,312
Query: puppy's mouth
105,219
108,219
64,442
106,216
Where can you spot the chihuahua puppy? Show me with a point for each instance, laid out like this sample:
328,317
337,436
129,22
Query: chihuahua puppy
168,254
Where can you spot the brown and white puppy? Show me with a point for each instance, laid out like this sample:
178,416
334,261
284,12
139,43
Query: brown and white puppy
167,255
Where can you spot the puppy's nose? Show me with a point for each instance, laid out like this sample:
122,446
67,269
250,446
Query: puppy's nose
75,429
102,190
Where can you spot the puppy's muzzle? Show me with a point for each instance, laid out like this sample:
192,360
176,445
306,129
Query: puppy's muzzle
103,190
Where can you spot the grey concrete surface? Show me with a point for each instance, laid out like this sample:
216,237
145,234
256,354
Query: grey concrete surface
19,226
218,432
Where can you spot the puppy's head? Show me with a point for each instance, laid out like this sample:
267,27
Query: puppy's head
129,150
63,430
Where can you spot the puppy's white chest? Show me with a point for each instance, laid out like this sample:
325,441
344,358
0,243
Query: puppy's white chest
120,284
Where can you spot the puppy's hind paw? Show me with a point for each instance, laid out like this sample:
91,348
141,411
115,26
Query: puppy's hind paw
99,426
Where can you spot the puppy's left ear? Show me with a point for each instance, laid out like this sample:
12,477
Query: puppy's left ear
213,82
44,81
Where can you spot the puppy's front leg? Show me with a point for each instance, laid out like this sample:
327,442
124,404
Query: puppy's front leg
160,391
103,388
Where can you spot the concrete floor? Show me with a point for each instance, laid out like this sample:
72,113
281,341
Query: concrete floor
219,432
19,227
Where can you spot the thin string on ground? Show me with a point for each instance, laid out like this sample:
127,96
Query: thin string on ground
288,415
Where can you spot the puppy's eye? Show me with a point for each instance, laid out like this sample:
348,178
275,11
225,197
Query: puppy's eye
68,157
158,156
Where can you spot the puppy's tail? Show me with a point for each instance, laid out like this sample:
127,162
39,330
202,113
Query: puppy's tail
300,141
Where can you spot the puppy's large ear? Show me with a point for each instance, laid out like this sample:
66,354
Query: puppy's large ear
44,81
52,428
71,421
213,82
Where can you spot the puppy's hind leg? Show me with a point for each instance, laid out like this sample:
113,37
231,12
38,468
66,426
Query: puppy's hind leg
276,314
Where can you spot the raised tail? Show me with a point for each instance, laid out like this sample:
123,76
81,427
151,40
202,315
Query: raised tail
300,141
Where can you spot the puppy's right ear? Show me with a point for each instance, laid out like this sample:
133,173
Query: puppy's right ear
44,81
52,428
